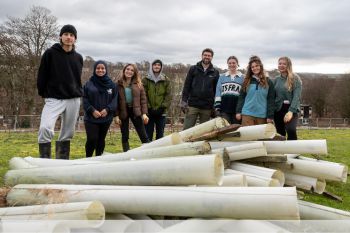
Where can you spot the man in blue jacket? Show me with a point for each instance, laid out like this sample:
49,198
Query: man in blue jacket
199,90
59,83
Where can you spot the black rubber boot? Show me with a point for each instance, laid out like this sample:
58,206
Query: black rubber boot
62,149
45,150
126,146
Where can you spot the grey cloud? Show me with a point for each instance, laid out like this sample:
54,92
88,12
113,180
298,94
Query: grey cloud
176,31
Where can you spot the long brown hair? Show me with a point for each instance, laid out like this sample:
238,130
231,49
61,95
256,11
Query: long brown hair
290,75
136,78
263,79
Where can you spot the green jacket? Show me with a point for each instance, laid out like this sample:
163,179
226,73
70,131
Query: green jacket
158,93
292,96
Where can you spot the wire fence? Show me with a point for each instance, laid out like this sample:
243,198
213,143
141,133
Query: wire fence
32,122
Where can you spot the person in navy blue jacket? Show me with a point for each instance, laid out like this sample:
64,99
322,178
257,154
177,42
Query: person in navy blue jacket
100,103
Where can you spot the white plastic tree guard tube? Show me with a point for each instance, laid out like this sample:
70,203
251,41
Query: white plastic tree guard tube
255,180
254,132
223,202
203,128
314,168
233,180
186,170
19,163
305,182
246,151
172,139
224,144
260,171
40,162
91,210
183,149
297,147
310,211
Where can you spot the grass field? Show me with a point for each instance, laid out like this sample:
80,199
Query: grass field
338,140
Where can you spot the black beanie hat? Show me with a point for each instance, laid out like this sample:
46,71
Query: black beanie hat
157,61
69,28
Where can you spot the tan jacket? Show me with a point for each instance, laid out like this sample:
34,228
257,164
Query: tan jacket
139,101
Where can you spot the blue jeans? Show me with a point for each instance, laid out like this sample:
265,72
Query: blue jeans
159,122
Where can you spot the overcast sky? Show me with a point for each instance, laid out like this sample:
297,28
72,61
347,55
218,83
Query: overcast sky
315,34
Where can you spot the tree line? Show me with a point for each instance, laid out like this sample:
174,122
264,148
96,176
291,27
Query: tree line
23,41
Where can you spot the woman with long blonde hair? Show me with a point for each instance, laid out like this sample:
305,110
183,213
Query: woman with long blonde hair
256,100
132,104
288,88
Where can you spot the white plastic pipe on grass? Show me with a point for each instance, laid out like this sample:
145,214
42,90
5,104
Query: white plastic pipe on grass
186,170
223,202
260,171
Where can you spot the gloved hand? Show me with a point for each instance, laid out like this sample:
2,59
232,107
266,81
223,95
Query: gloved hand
184,107
288,117
117,120
145,119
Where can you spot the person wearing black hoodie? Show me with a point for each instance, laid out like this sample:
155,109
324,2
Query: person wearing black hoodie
199,90
100,98
59,83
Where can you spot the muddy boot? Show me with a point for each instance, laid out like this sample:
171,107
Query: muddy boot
45,150
126,146
62,149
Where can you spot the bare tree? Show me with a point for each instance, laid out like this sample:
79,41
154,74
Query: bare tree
22,41
317,92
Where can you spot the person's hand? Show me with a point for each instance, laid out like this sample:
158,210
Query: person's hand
184,107
288,117
238,116
96,114
217,113
117,120
145,119
104,113
268,120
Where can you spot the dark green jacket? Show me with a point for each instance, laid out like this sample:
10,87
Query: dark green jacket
158,93
292,96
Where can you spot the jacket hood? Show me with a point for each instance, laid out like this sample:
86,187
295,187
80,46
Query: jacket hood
58,47
152,76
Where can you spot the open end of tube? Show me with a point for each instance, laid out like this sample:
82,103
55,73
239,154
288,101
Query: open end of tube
274,183
270,131
96,211
345,174
219,169
320,186
279,175
206,147
176,138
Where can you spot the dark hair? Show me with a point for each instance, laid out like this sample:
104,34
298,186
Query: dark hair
234,58
263,79
209,50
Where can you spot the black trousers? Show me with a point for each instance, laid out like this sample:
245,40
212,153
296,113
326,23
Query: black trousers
138,124
158,121
289,128
95,137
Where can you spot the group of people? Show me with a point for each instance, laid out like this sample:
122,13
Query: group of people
247,99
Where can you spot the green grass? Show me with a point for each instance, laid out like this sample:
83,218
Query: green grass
338,141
